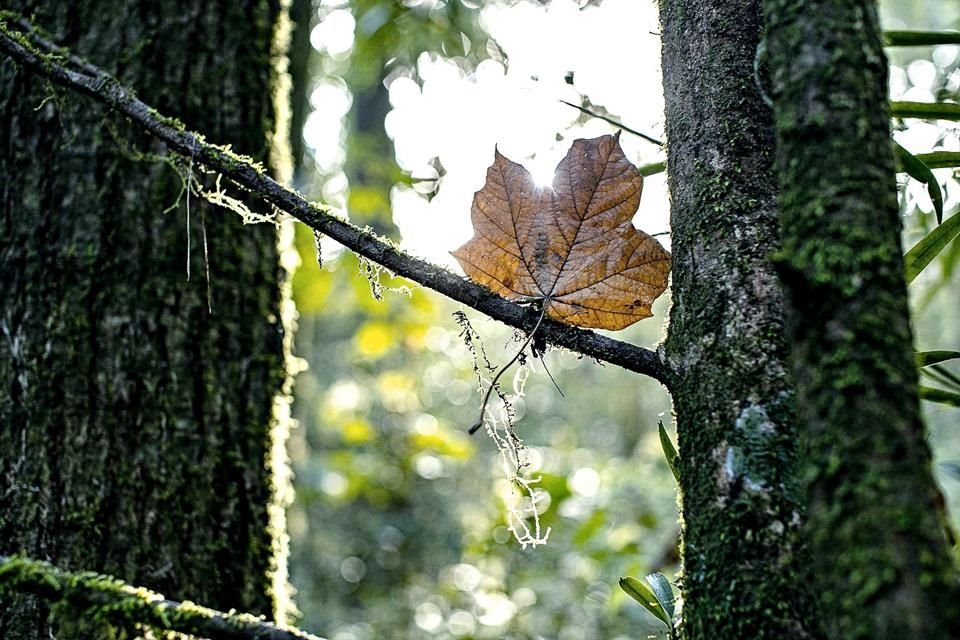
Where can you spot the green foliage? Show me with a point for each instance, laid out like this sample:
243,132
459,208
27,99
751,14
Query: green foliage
939,373
940,395
920,38
656,596
669,451
399,527
931,246
931,111
927,358
919,171
940,159
934,252
92,605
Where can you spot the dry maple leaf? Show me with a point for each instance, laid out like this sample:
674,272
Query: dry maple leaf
573,247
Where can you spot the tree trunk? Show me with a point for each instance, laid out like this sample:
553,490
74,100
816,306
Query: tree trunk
136,422
744,566
883,568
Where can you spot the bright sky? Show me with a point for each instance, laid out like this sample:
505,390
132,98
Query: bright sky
460,115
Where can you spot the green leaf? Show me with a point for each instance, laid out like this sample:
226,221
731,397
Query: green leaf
589,528
927,358
922,173
643,594
652,168
663,591
940,395
951,468
920,38
927,249
669,452
943,375
925,110
940,159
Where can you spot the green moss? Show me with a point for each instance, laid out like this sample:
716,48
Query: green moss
148,416
109,606
873,516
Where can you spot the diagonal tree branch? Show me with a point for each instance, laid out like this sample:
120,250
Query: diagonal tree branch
31,50
100,596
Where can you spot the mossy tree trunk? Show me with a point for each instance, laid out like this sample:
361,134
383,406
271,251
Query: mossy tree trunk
883,567
135,423
744,565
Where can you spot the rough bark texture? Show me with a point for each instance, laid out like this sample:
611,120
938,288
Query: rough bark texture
301,13
744,568
883,568
135,422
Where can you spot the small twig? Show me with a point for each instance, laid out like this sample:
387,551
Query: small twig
659,143
122,603
206,260
550,375
27,48
503,369
189,178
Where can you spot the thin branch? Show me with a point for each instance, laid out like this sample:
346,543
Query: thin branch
503,369
122,604
31,51
615,123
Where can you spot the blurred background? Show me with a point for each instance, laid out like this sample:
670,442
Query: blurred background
400,527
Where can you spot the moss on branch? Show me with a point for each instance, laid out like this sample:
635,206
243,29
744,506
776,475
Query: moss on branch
101,598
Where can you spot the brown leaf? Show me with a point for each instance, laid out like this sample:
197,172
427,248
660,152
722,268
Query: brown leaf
573,246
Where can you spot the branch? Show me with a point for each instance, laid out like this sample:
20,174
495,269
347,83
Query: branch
105,597
615,123
34,52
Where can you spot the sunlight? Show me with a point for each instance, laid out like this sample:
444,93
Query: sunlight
446,114
457,116
542,173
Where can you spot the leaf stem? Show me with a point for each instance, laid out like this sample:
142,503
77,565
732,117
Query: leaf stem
503,369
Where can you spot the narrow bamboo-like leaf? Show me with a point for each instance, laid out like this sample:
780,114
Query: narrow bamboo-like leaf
940,395
925,110
663,591
920,38
927,358
951,468
643,594
940,159
652,169
946,376
922,173
669,451
927,249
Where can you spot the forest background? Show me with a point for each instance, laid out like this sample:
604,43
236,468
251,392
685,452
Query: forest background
400,521
399,525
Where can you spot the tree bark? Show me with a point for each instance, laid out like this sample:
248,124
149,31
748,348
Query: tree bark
883,567
136,422
744,564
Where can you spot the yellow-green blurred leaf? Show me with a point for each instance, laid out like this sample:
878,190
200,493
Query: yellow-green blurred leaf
398,392
374,339
444,443
357,431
